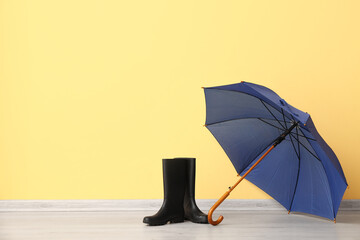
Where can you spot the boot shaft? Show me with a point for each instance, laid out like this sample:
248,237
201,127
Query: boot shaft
174,174
191,210
190,170
172,209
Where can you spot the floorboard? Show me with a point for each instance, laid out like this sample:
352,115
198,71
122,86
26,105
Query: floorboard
128,225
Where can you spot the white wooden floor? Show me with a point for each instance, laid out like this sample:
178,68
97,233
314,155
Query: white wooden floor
128,225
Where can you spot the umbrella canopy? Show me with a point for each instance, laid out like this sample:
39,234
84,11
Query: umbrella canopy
302,173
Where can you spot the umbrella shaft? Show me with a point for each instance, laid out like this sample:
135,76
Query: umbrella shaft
252,167
284,134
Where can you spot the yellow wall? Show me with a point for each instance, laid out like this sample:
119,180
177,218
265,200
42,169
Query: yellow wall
95,93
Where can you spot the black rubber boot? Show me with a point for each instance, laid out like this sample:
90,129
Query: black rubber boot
172,209
191,210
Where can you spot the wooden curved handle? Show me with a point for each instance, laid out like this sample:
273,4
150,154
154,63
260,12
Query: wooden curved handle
212,209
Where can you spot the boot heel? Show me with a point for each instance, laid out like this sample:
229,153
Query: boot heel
177,220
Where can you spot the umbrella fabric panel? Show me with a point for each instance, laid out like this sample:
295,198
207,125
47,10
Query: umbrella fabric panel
277,173
332,168
338,186
325,147
304,143
243,139
268,96
312,193
223,105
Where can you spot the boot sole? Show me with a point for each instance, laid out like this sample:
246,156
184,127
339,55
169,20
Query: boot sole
173,220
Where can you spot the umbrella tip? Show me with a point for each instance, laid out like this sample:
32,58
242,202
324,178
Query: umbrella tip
334,220
242,81
205,125
202,87
289,212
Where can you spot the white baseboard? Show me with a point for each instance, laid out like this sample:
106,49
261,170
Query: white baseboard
144,204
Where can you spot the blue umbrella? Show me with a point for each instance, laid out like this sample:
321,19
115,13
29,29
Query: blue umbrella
300,170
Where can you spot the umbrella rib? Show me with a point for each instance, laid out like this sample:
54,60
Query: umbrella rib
309,150
292,143
308,138
271,112
297,136
309,144
261,119
303,134
282,112
240,119
298,173
271,124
